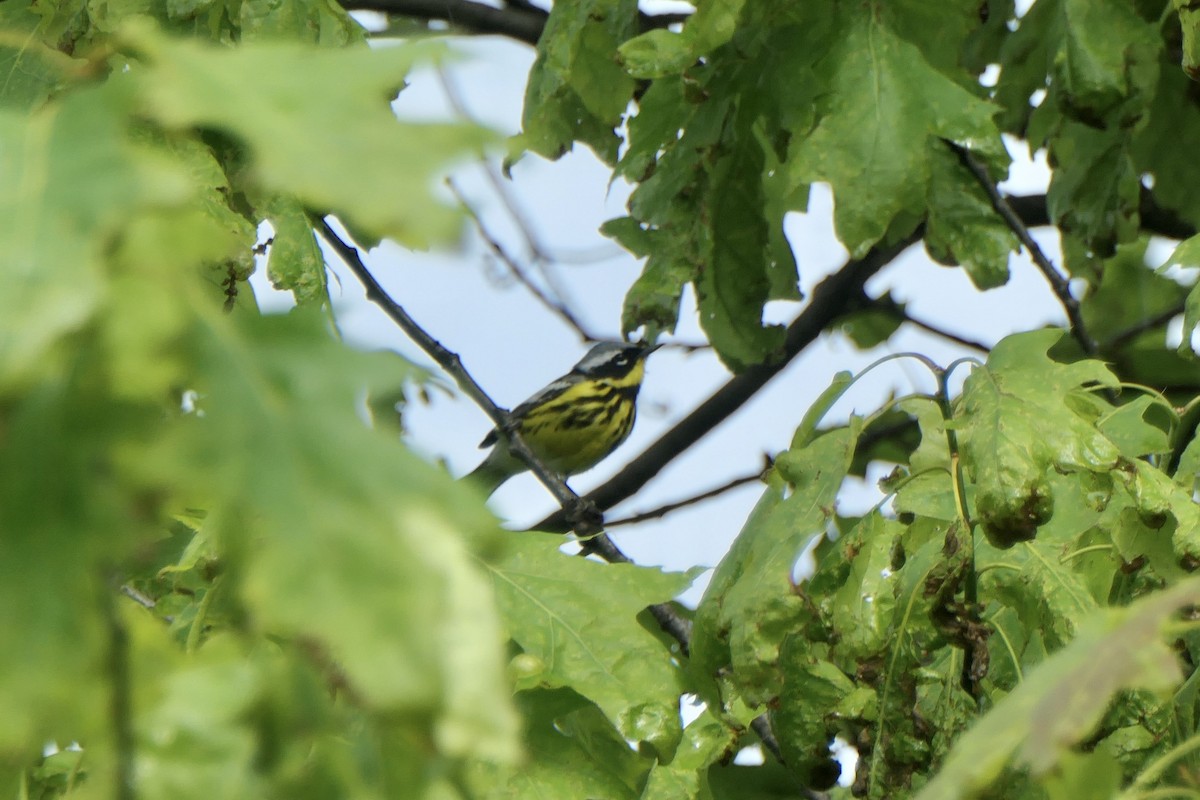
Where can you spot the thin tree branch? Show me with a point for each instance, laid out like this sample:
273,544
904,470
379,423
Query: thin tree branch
828,302
555,307
1154,218
1058,284
945,334
586,521
663,510
570,502
523,22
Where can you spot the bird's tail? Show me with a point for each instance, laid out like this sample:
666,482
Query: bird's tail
499,466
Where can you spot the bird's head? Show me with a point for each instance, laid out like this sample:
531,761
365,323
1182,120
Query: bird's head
614,359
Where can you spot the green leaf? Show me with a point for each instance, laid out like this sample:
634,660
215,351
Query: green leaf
317,21
1095,197
61,205
1062,699
388,530
1108,56
577,91
963,228
573,750
30,71
706,741
750,606
733,285
334,167
1050,597
549,600
878,126
806,719
1129,292
1155,144
295,262
1017,425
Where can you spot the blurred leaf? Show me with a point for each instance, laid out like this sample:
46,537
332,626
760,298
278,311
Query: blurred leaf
334,167
385,527
1059,702
63,203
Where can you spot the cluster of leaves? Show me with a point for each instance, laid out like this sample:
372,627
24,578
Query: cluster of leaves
322,614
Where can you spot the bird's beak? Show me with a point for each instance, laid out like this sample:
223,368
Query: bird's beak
648,350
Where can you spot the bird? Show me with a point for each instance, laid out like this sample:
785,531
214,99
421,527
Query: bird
575,421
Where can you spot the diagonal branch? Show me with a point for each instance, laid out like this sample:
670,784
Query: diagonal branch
584,519
828,302
523,22
452,364
559,309
1058,284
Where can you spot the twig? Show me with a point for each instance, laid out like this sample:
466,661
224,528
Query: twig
1058,284
827,303
945,334
556,307
585,519
535,250
663,510
137,597
455,98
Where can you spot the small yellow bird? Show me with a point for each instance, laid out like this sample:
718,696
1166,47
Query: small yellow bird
577,420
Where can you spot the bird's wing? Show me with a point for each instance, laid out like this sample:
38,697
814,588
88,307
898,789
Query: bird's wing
545,395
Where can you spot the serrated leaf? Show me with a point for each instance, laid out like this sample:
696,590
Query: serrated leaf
1062,699
549,603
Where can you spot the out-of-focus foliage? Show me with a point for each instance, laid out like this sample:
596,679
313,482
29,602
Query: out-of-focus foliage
320,613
